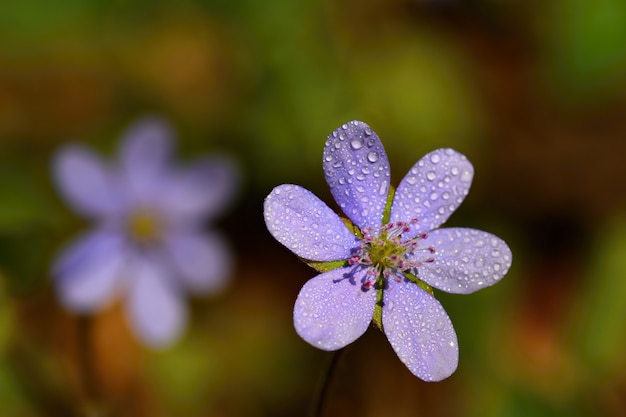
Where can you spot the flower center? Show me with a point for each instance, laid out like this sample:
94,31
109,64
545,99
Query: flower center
144,227
387,253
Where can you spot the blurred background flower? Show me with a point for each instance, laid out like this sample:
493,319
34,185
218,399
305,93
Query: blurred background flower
148,240
532,92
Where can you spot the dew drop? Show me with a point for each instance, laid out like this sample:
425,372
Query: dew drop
466,176
383,188
411,180
372,156
366,170
435,158
328,158
356,143
445,195
431,175
434,196
454,170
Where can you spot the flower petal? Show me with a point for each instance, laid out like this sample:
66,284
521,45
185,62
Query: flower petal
466,260
144,153
155,305
431,191
306,225
203,261
86,274
357,171
333,309
85,182
202,190
420,331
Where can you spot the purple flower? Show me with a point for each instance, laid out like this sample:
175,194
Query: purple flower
380,264
148,242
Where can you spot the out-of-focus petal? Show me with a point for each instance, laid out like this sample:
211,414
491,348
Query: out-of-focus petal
306,225
145,151
333,309
155,306
203,260
432,190
357,171
466,260
86,274
420,331
85,182
201,191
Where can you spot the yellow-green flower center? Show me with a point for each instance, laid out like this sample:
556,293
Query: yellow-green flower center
144,227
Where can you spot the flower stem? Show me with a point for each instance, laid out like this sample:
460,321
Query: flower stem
87,364
326,382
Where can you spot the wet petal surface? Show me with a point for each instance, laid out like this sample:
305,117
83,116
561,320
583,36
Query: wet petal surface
333,310
466,260
419,331
306,225
357,171
432,190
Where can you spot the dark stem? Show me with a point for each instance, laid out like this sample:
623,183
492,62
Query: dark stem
86,361
326,382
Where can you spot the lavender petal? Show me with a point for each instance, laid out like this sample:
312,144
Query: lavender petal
419,331
306,225
202,260
465,260
202,190
432,190
155,306
357,171
145,151
86,274
85,182
333,309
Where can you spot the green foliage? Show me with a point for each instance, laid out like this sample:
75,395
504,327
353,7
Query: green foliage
600,320
586,49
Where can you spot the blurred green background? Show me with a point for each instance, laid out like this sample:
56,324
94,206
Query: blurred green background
534,93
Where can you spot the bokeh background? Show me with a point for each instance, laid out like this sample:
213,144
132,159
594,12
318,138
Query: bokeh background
534,93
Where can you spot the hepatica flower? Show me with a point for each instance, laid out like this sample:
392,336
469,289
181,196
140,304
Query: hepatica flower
148,243
382,262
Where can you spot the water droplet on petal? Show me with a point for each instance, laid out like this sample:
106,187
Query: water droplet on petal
466,176
356,143
372,156
383,188
431,175
435,158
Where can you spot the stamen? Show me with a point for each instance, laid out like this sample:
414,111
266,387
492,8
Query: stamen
386,253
